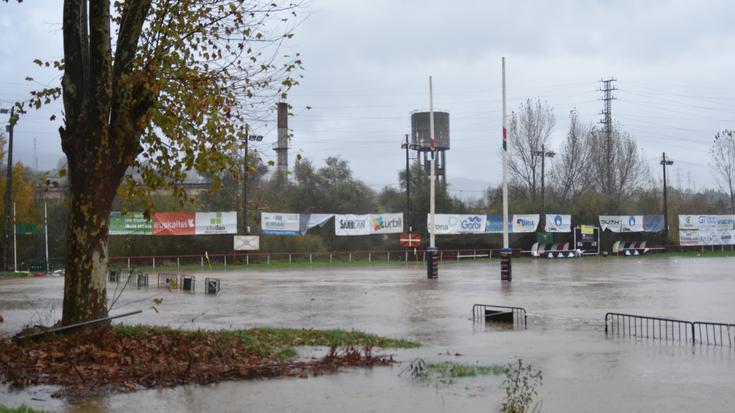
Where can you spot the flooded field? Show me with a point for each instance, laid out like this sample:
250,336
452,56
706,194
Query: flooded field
584,370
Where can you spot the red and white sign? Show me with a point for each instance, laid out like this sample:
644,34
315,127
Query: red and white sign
410,240
174,223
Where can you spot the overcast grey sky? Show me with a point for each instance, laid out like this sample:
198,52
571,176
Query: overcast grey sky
367,67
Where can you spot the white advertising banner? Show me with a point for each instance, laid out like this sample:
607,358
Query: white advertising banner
216,223
447,224
246,243
706,230
276,223
612,222
368,224
525,222
558,223
632,223
351,224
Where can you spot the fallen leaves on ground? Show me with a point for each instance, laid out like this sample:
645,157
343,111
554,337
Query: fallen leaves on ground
97,361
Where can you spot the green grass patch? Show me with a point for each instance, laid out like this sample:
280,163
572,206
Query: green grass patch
277,342
266,337
450,370
20,409
286,353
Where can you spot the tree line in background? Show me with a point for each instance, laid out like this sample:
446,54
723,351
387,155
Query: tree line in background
575,184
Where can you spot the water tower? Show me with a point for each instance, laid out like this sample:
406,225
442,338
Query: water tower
421,140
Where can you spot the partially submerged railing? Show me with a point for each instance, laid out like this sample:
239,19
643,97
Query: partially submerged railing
716,334
668,329
500,313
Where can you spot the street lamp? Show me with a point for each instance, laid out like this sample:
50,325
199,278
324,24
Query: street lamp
543,153
664,163
248,138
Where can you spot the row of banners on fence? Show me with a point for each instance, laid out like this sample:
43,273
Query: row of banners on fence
706,230
174,223
276,223
449,224
632,223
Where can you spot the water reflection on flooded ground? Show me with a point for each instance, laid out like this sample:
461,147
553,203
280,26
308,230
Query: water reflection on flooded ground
566,301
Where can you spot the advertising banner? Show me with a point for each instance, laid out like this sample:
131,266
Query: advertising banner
349,224
387,223
28,228
495,224
216,223
368,224
612,222
174,223
459,224
276,223
246,243
653,223
525,223
632,223
447,224
706,230
309,221
558,223
132,223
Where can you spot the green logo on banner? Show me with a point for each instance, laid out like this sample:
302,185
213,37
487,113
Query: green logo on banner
133,223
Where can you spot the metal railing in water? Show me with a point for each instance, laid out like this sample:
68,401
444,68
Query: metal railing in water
479,313
716,334
667,329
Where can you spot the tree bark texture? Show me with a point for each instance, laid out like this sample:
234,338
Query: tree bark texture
105,107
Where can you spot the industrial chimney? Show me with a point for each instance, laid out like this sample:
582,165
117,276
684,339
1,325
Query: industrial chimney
281,147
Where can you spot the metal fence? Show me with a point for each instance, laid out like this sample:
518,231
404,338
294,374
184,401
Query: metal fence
240,259
667,329
486,312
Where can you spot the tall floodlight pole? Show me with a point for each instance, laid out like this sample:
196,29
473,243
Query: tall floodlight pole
506,254
664,163
543,153
505,166
432,261
432,178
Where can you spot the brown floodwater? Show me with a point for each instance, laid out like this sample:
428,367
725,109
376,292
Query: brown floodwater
584,370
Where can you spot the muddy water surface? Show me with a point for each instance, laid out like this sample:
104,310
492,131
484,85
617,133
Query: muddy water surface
566,300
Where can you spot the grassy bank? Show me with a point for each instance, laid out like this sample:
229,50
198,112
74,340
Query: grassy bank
269,341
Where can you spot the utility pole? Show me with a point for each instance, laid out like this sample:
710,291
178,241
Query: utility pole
607,98
543,153
665,162
408,146
8,186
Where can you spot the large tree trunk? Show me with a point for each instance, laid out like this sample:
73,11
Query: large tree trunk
85,282
101,139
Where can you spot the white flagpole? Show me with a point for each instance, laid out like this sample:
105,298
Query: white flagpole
15,245
45,232
505,167
432,178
